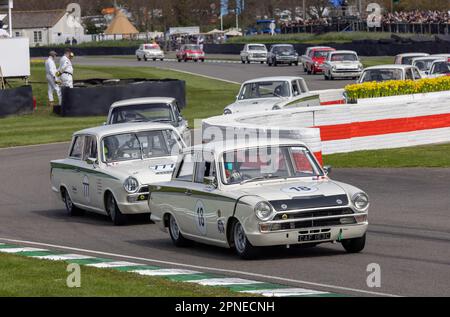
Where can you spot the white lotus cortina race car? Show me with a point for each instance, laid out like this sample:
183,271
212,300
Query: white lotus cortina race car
255,194
109,168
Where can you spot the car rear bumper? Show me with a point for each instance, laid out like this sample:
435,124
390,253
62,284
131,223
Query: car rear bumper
291,237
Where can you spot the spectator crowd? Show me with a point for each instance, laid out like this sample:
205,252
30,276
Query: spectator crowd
417,16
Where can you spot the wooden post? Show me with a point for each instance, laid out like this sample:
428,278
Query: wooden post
2,80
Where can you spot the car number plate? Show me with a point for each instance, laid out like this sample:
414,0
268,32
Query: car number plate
314,237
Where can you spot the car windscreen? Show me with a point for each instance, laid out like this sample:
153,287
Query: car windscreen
269,89
152,47
263,163
424,65
321,54
407,60
256,48
140,145
379,75
441,68
192,48
143,113
344,57
284,50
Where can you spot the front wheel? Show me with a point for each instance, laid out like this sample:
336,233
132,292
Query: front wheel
177,238
355,245
71,209
145,58
242,246
117,217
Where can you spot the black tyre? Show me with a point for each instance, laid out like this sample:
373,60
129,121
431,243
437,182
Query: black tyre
203,60
145,58
71,209
177,238
354,245
296,63
179,60
243,61
117,217
139,59
162,59
308,72
269,63
242,246
262,62
275,63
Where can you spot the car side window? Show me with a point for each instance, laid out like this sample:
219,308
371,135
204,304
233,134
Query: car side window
295,88
186,170
90,147
408,74
416,74
204,169
77,148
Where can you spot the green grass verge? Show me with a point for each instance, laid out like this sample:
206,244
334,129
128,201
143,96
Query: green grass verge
27,277
307,38
420,156
205,98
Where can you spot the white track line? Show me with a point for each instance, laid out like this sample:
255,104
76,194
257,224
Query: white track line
63,257
200,75
107,265
284,292
255,275
19,250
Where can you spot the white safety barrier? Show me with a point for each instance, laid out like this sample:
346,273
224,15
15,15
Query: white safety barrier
366,126
330,96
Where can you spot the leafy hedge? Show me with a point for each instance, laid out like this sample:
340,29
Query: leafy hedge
396,88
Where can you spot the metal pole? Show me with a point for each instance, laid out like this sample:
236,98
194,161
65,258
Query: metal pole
304,10
221,22
10,7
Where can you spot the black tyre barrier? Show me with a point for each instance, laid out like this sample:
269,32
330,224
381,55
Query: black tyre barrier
16,101
94,97
443,38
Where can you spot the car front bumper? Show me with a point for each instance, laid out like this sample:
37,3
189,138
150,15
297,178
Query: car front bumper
286,60
345,73
291,237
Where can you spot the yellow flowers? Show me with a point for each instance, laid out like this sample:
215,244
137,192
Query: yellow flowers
396,88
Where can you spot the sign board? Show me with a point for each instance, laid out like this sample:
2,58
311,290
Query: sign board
6,4
15,57
375,15
185,30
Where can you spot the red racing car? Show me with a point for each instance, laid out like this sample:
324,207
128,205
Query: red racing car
190,52
315,59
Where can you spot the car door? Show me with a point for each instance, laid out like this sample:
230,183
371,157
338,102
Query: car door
72,177
90,178
210,206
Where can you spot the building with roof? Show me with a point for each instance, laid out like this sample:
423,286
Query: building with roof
47,27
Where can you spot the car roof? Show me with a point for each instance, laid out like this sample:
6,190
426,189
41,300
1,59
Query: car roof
431,57
389,66
273,78
256,44
322,48
318,47
103,130
412,54
277,45
218,147
140,101
343,51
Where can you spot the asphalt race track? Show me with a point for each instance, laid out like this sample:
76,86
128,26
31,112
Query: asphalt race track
408,236
235,72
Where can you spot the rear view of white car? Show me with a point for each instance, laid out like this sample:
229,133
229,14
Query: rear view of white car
389,72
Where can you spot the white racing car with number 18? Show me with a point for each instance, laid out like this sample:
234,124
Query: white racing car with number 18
261,193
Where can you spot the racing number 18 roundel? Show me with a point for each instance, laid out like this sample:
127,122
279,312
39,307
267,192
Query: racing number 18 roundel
199,217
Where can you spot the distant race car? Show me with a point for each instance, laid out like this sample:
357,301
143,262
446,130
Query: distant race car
440,68
150,109
190,52
342,64
149,51
282,54
407,58
273,93
252,194
313,62
109,168
424,64
389,72
254,53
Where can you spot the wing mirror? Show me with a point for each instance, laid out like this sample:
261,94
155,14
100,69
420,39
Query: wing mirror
327,169
210,181
91,161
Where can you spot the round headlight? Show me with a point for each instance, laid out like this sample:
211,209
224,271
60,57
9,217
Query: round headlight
227,111
361,201
263,211
131,185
